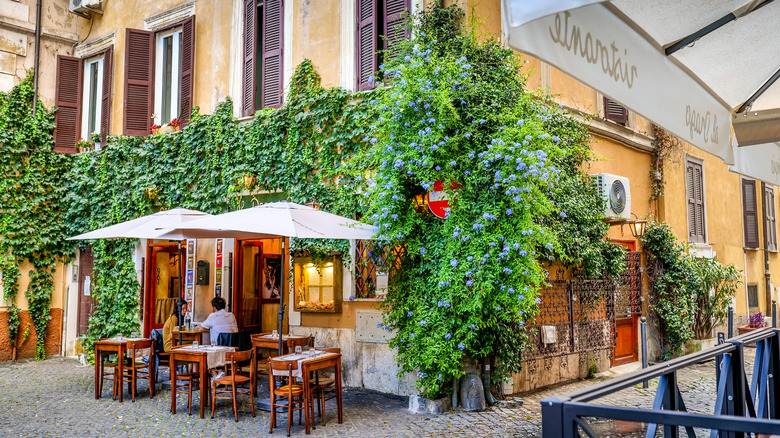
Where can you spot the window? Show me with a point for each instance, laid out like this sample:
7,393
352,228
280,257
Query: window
167,91
380,24
694,186
93,84
615,112
770,221
752,295
318,286
375,268
159,70
749,213
263,55
82,98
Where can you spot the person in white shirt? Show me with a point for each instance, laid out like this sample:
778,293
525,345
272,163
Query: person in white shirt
219,321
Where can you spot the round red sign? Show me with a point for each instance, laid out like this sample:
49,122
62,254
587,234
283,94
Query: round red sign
438,199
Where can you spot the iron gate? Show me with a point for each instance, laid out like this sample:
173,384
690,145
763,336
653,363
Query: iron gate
583,313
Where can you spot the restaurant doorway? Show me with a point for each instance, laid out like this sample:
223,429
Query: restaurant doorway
259,283
627,307
163,283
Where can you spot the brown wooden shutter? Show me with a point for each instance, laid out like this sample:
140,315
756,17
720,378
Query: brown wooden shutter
694,182
750,214
105,110
67,100
273,42
250,49
615,112
394,25
187,69
770,221
366,42
139,86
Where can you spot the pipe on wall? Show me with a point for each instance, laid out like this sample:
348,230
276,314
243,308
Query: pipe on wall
37,54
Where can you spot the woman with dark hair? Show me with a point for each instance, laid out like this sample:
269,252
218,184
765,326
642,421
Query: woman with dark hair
171,323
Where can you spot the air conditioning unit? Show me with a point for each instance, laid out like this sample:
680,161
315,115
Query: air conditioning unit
85,8
616,193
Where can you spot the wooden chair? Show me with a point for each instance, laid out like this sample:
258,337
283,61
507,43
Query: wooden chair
234,379
189,380
137,369
322,388
290,391
299,342
163,358
113,376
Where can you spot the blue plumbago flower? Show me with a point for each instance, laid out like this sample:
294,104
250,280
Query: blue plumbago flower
399,163
440,303
411,335
439,378
423,250
394,216
521,297
448,336
478,226
506,271
467,135
379,325
426,186
555,138
438,168
473,326
470,258
444,283
351,297
454,262
410,314
469,273
520,122
511,290
544,136
455,234
522,323
482,121
509,211
447,305
492,244
423,322
523,253
421,374
549,246
469,283
503,287
461,347
453,163
538,301
396,197
467,172
488,216
516,246
498,307
563,214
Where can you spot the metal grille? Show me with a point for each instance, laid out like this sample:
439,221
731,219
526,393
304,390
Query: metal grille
371,260
583,312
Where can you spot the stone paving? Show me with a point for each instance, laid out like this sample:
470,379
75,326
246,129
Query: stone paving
56,398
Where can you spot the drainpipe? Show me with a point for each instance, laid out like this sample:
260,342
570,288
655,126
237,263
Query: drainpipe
37,55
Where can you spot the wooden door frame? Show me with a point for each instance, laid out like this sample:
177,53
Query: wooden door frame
80,288
238,291
629,245
149,276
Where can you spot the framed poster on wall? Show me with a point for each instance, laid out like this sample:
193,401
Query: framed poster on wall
271,277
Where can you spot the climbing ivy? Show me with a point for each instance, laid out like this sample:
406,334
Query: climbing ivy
308,150
457,112
32,222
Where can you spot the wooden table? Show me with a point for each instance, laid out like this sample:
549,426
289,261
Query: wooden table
200,357
272,343
118,346
189,335
306,367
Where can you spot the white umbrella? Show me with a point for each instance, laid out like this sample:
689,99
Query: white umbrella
694,67
277,219
147,227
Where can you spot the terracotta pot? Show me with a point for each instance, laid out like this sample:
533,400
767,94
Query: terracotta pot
746,328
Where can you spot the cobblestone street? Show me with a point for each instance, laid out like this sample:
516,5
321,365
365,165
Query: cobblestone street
55,398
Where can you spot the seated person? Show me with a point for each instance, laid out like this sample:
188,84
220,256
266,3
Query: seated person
219,321
171,323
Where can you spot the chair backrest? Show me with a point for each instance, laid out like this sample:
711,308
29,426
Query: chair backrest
283,365
241,340
329,349
298,342
133,346
240,359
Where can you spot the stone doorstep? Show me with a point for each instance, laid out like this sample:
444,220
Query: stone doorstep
621,370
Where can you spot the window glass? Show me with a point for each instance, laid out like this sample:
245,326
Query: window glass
167,77
92,91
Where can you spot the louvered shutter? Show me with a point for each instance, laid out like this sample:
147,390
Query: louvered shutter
250,47
694,187
273,41
394,25
187,68
67,100
105,110
139,74
770,222
367,38
750,215
615,112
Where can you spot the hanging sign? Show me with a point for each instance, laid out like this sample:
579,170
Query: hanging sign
438,199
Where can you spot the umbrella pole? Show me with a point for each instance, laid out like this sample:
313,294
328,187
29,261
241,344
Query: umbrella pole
281,303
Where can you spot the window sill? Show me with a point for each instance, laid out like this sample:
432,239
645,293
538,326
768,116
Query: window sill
373,300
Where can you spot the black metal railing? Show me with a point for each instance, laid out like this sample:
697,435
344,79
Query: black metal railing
742,407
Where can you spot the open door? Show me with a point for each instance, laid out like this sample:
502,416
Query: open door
627,308
85,301
259,281
163,283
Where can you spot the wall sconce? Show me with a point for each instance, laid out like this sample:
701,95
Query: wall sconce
420,203
314,204
637,226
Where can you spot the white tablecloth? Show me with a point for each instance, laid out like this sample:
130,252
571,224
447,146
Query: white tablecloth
300,358
215,355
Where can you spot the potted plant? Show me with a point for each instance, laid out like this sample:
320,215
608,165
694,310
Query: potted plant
176,123
154,128
84,145
756,322
95,139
